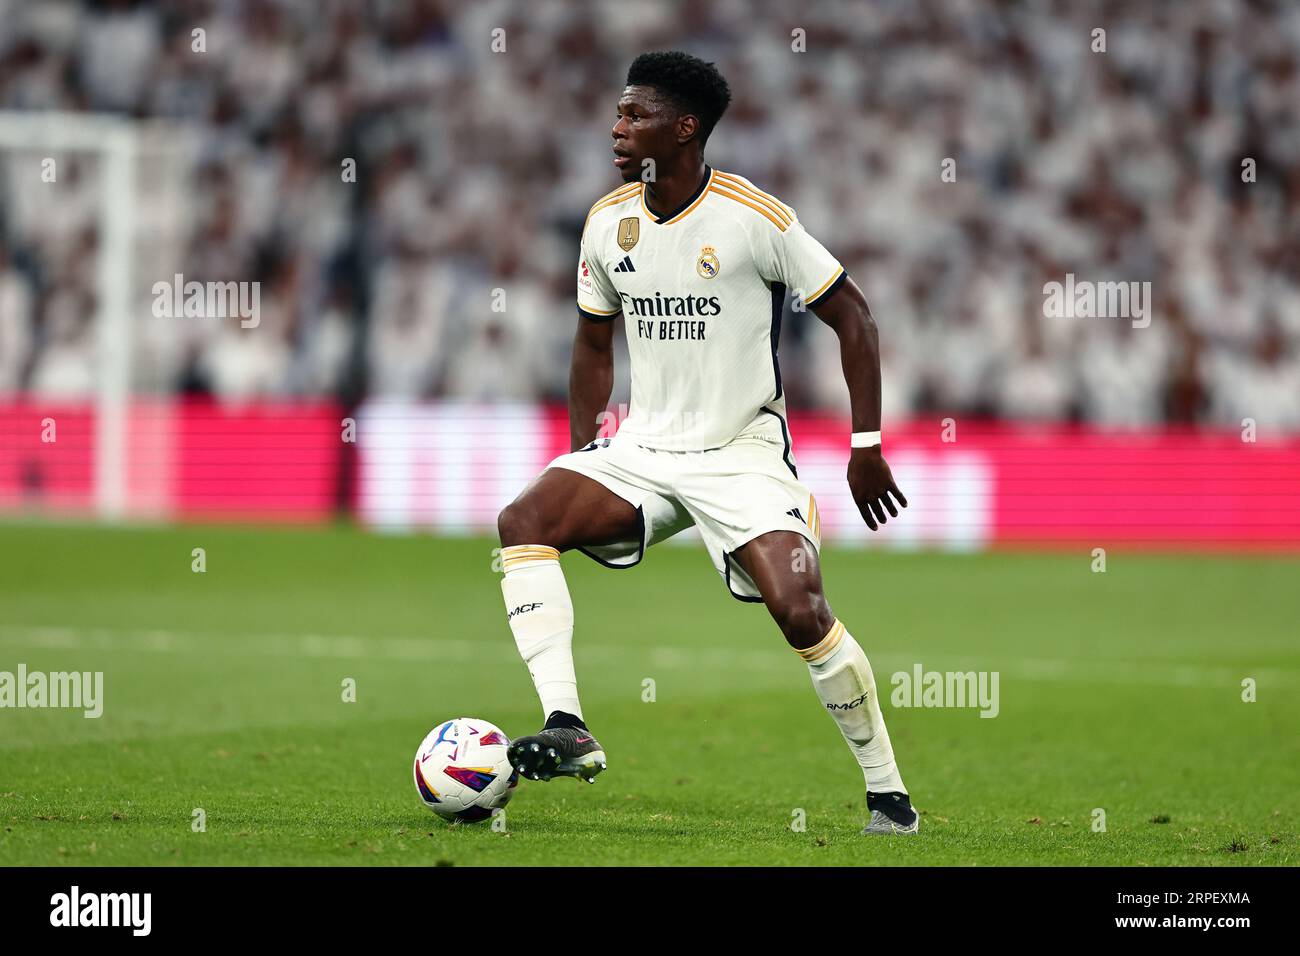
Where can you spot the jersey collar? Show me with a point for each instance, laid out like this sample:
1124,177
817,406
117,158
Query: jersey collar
685,208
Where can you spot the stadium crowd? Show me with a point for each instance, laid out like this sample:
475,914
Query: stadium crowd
475,168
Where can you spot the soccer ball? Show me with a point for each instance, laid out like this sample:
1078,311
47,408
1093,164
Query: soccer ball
461,770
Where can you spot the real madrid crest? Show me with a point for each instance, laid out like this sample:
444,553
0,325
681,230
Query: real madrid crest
707,264
629,231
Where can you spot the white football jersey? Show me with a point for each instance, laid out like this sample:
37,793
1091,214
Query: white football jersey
701,291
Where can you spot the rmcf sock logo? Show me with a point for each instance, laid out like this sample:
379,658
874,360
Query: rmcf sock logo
102,909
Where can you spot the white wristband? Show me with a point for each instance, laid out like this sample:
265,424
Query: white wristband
864,440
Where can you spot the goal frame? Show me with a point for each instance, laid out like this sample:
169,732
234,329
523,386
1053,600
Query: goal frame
114,141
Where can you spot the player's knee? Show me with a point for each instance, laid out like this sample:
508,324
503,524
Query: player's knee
804,620
518,523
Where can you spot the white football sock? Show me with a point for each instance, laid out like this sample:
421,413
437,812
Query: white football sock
843,680
541,617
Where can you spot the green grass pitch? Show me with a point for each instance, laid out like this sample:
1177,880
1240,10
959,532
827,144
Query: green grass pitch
223,692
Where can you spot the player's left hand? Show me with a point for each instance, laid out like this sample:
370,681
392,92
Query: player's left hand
872,483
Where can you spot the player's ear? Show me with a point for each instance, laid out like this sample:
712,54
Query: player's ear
687,128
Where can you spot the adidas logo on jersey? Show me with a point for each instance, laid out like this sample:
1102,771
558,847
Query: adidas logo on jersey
625,265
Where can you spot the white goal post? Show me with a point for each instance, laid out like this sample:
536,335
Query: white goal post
113,140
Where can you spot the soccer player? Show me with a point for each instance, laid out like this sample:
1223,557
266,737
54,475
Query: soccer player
698,261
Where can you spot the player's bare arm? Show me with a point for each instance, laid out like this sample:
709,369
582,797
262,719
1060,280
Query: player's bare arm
591,378
563,509
870,480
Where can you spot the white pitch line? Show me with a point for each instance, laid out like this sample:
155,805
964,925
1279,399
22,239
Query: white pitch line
653,656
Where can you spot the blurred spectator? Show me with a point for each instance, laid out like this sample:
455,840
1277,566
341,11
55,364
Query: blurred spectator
474,171
15,324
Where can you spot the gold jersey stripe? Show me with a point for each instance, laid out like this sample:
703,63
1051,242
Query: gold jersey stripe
625,189
752,205
762,197
587,308
752,188
613,199
609,205
826,285
685,212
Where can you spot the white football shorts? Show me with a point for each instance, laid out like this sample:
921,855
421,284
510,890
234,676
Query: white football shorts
733,494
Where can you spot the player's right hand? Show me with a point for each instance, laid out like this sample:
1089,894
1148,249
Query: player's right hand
872,483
